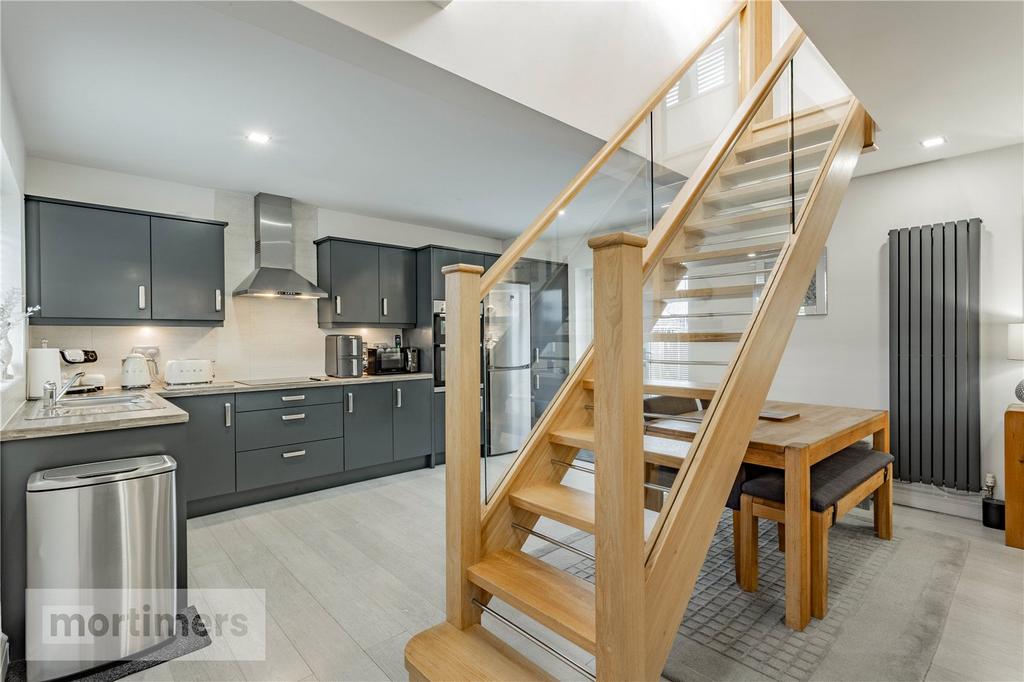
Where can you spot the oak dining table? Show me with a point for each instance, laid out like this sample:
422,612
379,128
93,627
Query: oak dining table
795,445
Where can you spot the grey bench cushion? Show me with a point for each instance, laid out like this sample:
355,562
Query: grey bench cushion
831,479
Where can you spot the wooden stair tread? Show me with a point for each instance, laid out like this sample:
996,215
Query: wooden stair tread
696,337
762,190
734,291
678,389
445,652
740,218
561,503
736,253
662,451
769,140
775,163
555,599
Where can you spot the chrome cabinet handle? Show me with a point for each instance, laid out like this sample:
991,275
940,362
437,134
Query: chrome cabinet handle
294,453
218,301
142,297
536,381
398,393
536,354
290,398
351,402
384,301
481,403
292,417
337,305
227,414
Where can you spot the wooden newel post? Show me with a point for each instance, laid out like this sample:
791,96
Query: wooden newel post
462,440
619,454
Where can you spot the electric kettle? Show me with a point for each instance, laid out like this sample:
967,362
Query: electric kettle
135,371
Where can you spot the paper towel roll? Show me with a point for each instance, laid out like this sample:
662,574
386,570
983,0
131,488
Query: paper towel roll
43,366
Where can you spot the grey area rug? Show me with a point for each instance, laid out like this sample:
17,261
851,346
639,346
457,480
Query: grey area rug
887,605
195,639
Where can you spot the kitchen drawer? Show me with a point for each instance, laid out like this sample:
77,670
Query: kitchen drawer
268,400
283,464
301,424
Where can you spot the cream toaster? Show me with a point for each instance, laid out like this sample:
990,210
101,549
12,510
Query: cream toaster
178,372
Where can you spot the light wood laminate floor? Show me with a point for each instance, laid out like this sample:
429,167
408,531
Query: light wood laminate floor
351,572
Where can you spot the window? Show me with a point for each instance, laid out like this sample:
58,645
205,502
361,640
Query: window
708,74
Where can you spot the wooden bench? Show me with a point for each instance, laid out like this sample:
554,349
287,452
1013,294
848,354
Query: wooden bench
838,484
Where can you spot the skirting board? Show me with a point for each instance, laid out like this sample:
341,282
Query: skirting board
931,498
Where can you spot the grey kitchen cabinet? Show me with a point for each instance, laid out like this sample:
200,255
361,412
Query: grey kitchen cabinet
352,282
291,397
286,463
208,462
187,270
369,438
87,262
397,269
411,418
101,265
368,284
288,425
441,258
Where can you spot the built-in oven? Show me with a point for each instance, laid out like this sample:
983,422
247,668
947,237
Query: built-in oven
439,344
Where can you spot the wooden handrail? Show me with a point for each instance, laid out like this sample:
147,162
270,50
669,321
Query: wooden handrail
689,196
525,240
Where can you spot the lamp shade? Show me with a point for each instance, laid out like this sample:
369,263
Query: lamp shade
1015,341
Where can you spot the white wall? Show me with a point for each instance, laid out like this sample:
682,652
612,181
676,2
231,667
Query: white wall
560,58
331,223
842,358
260,337
12,179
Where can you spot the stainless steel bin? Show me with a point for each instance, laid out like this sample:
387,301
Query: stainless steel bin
101,547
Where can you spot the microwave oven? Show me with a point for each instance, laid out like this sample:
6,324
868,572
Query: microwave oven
402,360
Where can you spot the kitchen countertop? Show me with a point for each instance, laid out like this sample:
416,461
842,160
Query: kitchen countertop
21,426
235,387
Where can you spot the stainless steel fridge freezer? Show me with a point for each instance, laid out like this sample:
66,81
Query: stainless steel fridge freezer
507,345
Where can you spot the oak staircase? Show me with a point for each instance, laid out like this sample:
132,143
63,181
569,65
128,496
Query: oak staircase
699,308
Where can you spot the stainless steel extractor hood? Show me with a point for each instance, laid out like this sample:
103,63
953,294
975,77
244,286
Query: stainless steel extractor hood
275,254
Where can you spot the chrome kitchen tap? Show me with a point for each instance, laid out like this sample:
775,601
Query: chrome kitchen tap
51,394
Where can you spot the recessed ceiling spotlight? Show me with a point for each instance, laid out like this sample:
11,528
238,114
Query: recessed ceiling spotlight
257,137
933,142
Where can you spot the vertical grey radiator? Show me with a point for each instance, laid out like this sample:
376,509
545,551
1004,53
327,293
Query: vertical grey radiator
933,354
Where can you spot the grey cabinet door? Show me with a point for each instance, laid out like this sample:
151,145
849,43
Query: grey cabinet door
188,270
368,425
207,465
355,288
444,257
397,285
413,405
93,263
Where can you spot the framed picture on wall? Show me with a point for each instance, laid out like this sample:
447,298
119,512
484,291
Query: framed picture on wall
816,298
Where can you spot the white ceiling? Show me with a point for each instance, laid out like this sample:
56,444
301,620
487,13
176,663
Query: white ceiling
926,69
168,90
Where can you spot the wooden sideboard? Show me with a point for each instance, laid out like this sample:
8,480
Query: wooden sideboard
1014,476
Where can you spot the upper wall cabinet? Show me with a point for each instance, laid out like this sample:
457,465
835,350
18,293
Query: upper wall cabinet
369,284
97,265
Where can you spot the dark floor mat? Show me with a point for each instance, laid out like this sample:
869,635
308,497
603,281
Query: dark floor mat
195,639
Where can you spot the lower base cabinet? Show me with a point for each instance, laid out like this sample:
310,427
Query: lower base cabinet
287,463
368,425
411,418
207,463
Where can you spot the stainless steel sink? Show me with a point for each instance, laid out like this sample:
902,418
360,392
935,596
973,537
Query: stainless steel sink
86,406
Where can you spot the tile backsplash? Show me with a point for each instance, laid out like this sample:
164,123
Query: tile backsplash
261,338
